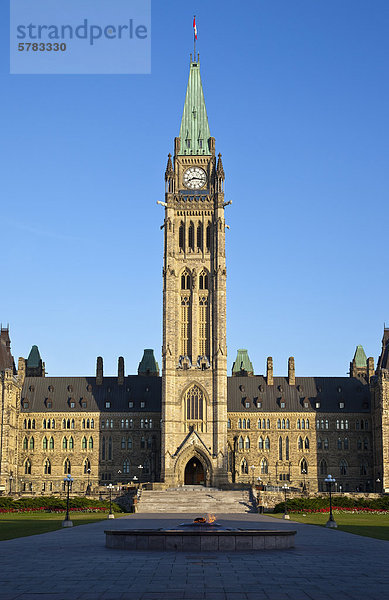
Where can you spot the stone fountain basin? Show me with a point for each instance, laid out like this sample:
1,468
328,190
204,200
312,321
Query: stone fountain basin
202,539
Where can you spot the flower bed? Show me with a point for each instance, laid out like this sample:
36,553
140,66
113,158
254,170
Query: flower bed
341,509
90,509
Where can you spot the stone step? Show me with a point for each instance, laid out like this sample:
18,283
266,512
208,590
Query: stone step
196,499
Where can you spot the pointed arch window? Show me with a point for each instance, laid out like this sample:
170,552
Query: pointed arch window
203,280
247,443
185,280
25,444
47,468
240,443
307,423
123,444
110,449
208,237
280,448
203,326
278,423
83,444
326,444
298,424
343,467
194,400
244,423
323,467
300,443
287,424
304,467
185,326
244,468
181,236
264,466
267,444
126,466
44,443
306,443
260,443
239,423
191,236
287,448
27,467
67,467
129,444
86,466
268,424
319,443
259,424
200,236
92,423
103,449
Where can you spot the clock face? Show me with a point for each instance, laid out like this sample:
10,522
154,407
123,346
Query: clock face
195,178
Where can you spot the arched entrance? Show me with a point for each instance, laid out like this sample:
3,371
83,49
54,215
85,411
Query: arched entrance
194,472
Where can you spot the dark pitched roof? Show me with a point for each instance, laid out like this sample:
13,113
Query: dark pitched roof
60,390
328,391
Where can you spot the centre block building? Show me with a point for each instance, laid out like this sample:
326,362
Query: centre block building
195,424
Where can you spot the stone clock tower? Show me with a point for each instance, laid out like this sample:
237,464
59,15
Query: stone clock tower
194,378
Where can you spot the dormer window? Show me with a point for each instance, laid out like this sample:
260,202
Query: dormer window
49,403
25,404
130,404
107,404
341,404
282,404
247,404
72,403
83,403
142,404
317,405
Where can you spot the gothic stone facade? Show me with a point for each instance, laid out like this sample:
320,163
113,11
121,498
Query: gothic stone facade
194,425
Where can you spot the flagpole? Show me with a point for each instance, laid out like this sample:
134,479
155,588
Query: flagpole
194,40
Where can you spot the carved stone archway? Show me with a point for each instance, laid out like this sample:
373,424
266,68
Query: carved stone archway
197,454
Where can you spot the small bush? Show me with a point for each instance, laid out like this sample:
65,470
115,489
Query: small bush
50,503
323,502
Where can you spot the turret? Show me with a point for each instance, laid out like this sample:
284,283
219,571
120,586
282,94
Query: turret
35,367
242,365
148,365
291,371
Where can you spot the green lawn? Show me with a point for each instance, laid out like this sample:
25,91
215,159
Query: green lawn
13,525
375,526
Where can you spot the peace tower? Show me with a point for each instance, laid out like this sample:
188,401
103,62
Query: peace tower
194,378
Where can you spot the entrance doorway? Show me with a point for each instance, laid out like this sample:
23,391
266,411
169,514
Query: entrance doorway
194,472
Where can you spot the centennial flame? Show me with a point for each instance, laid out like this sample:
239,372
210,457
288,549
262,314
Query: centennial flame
209,519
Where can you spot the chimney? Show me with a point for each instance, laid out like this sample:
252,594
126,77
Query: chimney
269,371
370,368
99,371
291,371
121,370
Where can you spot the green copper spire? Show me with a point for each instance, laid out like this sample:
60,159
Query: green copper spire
194,130
360,357
242,364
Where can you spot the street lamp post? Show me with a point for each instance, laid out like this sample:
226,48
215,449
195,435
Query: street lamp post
331,521
285,516
110,515
88,486
304,472
68,482
10,484
378,481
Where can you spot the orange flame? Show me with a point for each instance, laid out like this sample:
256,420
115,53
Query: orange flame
211,518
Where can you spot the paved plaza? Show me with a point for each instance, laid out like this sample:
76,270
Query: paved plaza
74,564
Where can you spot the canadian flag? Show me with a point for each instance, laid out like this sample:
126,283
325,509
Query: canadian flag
194,28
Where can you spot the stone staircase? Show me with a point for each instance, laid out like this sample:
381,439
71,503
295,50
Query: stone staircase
195,499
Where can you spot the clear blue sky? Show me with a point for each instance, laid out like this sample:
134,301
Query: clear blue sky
297,99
